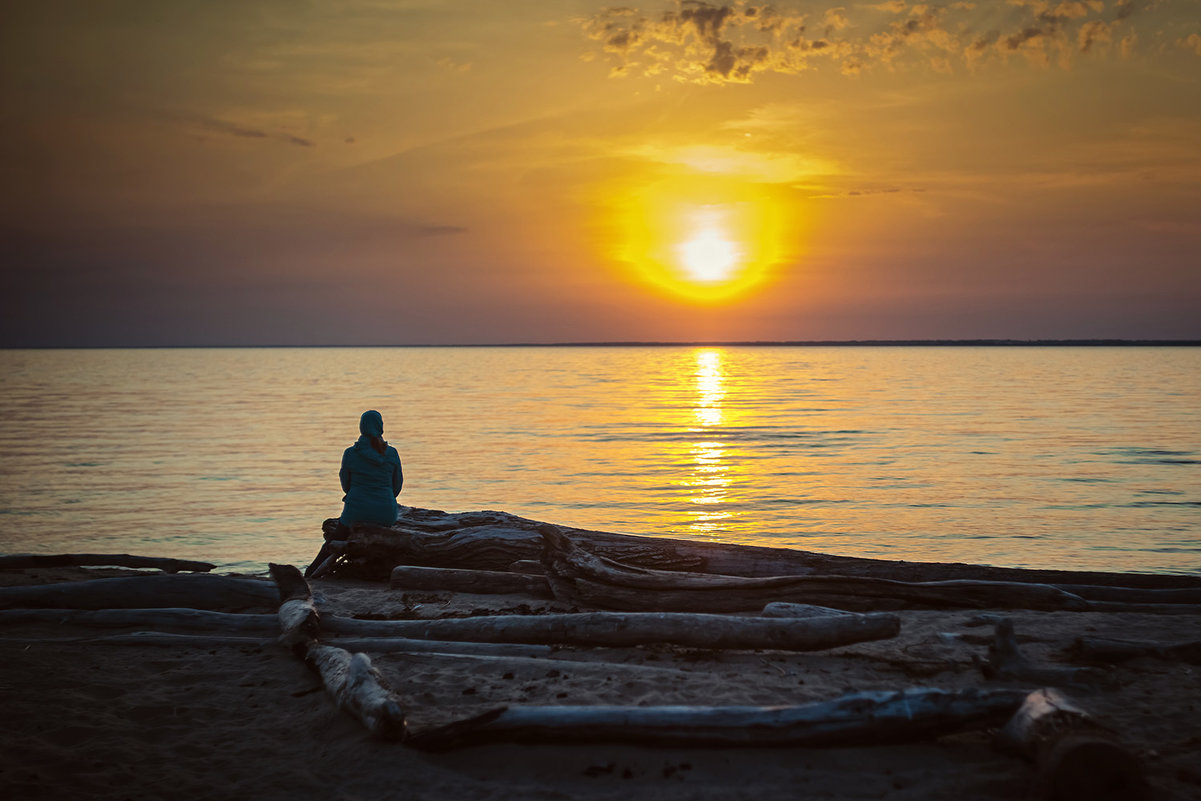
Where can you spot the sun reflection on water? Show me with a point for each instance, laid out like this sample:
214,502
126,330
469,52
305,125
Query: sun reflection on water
709,477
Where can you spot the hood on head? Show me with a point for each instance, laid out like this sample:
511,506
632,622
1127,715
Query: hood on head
371,424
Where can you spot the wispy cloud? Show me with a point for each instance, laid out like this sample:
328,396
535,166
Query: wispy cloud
216,125
703,42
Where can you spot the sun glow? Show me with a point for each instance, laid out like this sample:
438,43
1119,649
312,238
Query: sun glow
709,255
705,238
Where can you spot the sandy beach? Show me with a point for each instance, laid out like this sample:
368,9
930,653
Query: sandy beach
92,717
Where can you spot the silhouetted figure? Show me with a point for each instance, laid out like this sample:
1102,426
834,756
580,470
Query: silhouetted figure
371,477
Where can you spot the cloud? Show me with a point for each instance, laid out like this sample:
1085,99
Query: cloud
216,125
716,43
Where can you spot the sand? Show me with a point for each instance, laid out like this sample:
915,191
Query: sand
98,720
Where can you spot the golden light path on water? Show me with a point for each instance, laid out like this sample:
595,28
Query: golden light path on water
709,479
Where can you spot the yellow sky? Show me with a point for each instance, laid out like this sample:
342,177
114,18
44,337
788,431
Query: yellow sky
437,172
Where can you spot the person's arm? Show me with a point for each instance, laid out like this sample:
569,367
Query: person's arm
344,475
398,477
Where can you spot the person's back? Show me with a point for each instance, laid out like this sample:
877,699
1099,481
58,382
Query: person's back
371,475
371,480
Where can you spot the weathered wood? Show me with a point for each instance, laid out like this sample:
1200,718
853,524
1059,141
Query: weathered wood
623,629
494,540
857,719
130,592
1076,758
786,609
358,689
179,619
1144,609
578,577
1103,650
25,561
298,618
328,566
493,582
151,638
1134,595
1005,661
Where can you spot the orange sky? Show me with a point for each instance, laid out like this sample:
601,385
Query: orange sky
370,172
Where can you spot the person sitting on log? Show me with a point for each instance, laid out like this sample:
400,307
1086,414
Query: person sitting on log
371,477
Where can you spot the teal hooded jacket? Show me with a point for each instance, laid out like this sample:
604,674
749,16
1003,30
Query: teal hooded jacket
370,479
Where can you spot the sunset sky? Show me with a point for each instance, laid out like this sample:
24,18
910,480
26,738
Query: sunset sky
424,172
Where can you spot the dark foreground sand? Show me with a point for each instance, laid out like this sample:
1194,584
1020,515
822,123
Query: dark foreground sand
92,720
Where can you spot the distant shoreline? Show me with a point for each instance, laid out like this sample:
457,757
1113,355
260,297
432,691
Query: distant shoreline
806,343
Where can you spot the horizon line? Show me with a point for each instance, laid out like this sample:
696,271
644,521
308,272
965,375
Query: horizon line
981,342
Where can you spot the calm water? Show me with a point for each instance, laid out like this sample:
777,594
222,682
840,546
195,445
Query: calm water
1086,458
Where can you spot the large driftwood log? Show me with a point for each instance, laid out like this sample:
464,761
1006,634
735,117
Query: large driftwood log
1076,758
579,577
24,561
1006,661
491,582
494,540
358,689
132,592
586,629
1103,650
859,719
298,618
163,619
624,629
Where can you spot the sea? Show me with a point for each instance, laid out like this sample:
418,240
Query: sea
1067,457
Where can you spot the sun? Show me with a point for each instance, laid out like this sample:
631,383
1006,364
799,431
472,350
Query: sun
706,239
709,256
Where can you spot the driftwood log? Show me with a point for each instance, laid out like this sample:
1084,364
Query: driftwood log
786,609
593,629
495,540
132,592
25,561
355,685
494,582
1006,661
579,577
625,629
358,689
298,618
161,619
1104,650
1076,758
861,718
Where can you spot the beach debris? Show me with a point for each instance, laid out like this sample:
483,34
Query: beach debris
1076,757
788,609
26,561
196,591
299,621
406,577
358,689
349,678
865,718
1006,661
328,559
159,619
623,629
1105,650
494,540
579,577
